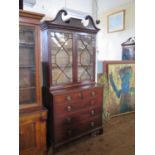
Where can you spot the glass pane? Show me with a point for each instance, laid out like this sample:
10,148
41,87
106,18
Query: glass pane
85,57
61,55
27,65
26,34
26,77
27,95
26,56
85,73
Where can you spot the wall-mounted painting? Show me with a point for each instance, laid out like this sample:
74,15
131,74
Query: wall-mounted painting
119,82
116,21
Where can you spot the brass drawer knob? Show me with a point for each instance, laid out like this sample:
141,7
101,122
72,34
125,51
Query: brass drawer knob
92,112
68,119
92,124
68,98
93,93
69,108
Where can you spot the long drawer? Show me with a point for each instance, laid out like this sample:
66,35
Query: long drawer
67,133
93,92
74,118
78,96
65,109
68,97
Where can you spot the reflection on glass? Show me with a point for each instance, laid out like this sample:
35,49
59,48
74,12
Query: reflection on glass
61,45
26,65
26,56
85,57
26,77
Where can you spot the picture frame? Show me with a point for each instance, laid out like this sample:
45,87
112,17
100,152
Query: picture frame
118,75
116,21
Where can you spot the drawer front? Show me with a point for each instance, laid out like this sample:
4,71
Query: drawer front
95,101
68,97
78,96
68,108
77,129
93,92
74,118
65,109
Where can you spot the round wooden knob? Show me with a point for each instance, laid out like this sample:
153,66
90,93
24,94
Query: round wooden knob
69,108
68,98
93,93
92,112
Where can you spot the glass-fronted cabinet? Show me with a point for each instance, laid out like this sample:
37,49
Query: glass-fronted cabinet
32,114
72,57
29,61
27,74
68,52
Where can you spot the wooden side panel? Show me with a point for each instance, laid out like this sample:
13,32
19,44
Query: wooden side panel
27,136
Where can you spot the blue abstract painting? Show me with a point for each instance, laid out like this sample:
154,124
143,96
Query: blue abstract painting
121,88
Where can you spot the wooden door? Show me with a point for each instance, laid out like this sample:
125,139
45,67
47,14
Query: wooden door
32,134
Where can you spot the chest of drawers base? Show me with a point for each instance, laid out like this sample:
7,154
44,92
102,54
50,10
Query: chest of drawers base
92,133
74,113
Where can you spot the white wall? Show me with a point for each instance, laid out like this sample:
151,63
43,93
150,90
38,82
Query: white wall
109,44
51,7
106,5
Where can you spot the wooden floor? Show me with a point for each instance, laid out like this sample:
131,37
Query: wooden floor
118,139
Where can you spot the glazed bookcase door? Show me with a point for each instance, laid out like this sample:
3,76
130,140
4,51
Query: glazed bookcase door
27,69
61,58
85,57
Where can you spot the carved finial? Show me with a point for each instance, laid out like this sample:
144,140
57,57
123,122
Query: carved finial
91,23
59,14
